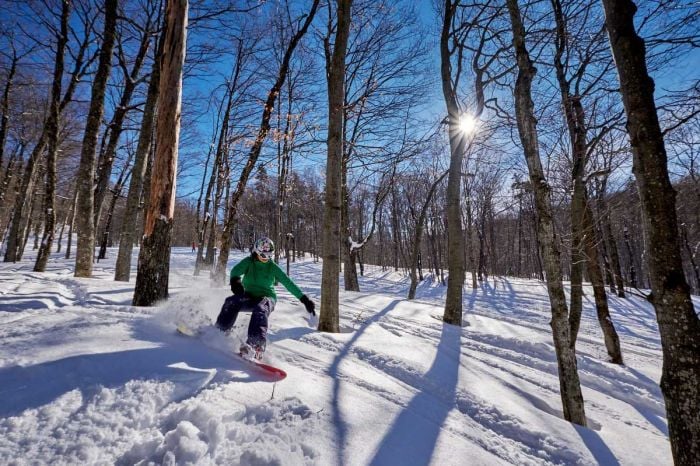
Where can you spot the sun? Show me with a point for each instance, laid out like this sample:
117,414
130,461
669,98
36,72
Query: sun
467,123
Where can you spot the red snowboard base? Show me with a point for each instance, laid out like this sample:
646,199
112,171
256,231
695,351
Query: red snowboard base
273,373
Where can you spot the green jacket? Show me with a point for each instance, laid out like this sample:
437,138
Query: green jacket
259,278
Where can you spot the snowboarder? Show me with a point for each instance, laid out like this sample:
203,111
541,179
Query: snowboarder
256,293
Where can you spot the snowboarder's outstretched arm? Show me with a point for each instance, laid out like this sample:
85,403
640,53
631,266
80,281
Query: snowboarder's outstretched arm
236,272
294,289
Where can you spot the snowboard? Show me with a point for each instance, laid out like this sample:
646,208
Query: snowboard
271,372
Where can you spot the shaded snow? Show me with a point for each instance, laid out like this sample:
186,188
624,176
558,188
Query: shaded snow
88,379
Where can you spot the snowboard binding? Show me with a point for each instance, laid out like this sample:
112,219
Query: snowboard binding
248,351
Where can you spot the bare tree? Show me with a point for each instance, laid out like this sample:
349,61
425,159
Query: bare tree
131,79
455,238
569,384
416,243
52,124
81,64
679,324
584,239
128,233
154,256
254,153
329,320
85,250
5,104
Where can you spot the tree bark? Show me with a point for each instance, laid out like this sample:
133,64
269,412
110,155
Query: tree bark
570,386
691,254
154,256
85,249
679,325
329,320
455,238
52,124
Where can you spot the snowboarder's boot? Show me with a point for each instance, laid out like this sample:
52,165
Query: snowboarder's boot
249,351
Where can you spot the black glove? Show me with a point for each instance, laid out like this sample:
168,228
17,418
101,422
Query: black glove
237,286
308,304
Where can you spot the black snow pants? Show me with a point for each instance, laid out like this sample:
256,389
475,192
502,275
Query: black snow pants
260,308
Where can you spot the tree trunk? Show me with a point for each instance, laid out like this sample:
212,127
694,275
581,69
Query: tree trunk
38,228
19,220
570,386
329,320
74,205
12,166
104,170
69,214
610,245
5,107
469,244
63,227
154,257
612,341
679,325
691,254
15,243
349,254
577,255
455,239
214,182
603,253
128,235
415,250
85,250
116,194
52,124
395,230
26,229
631,256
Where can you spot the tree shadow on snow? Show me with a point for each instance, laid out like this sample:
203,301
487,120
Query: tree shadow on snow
334,372
189,364
415,431
596,445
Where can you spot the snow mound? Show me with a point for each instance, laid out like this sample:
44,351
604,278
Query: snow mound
275,433
84,427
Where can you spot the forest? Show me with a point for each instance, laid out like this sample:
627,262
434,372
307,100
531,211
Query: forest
454,141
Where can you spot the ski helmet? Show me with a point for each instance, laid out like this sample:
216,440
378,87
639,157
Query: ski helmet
264,247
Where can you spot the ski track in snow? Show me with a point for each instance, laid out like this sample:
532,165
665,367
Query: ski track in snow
87,378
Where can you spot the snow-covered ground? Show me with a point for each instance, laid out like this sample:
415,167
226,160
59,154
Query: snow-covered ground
85,378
